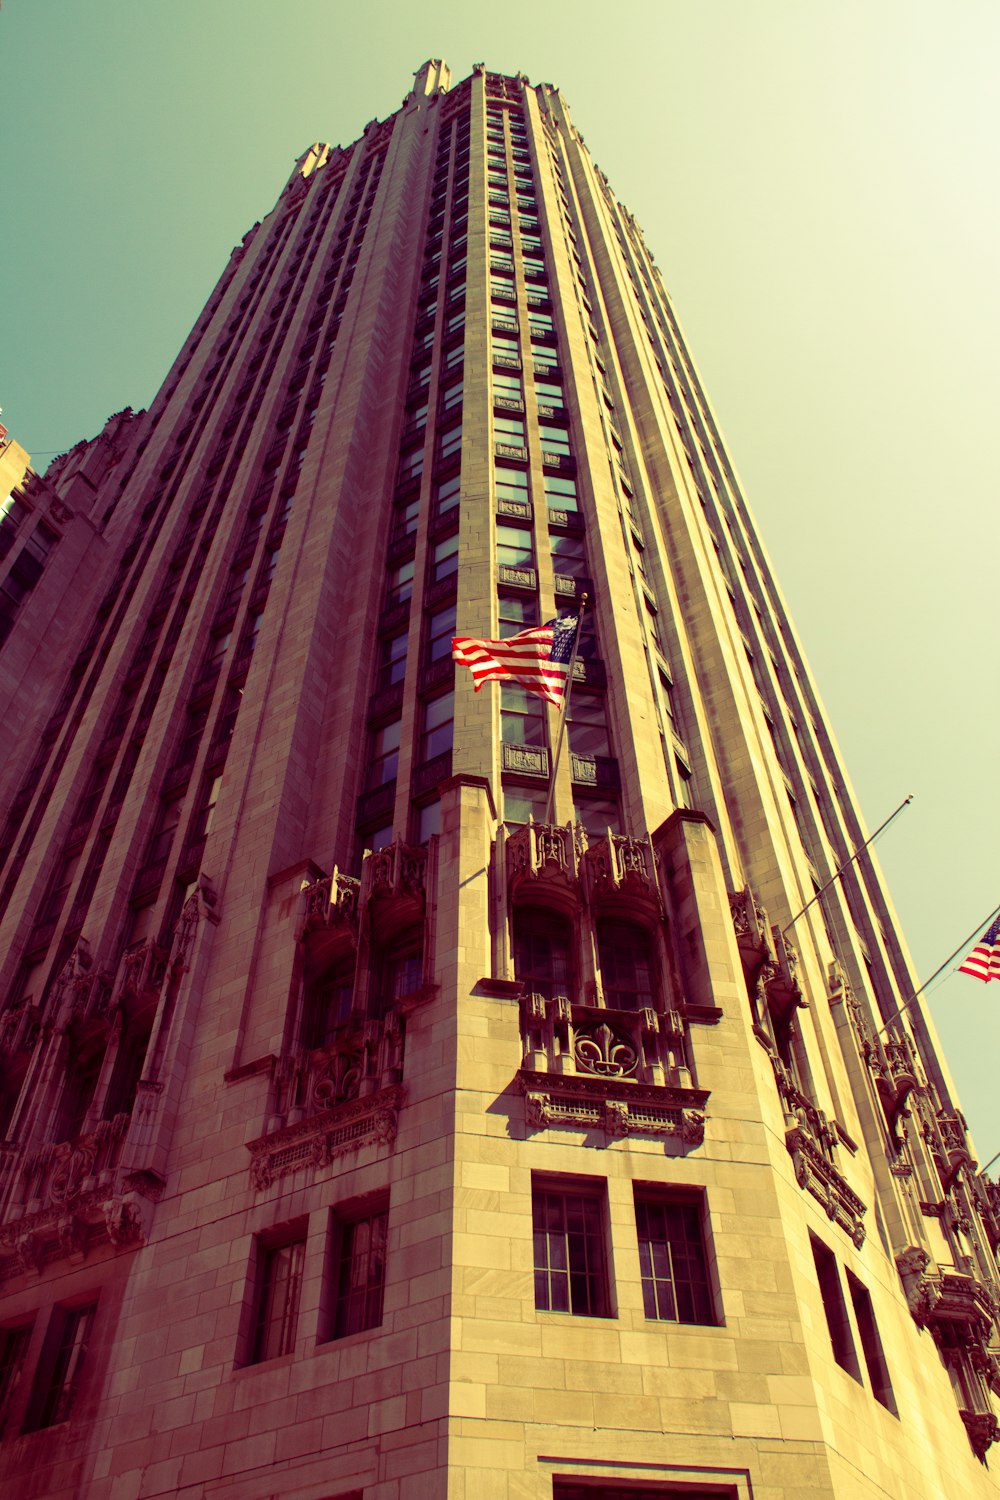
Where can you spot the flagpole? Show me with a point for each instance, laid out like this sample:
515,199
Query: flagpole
951,957
564,711
837,873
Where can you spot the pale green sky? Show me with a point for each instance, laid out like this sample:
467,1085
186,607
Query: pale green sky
818,182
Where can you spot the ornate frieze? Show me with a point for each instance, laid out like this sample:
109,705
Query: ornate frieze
614,1106
73,1195
319,1140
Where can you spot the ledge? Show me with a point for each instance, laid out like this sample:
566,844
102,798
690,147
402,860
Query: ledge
618,1107
317,1141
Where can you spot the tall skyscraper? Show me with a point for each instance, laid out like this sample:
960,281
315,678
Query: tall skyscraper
370,1129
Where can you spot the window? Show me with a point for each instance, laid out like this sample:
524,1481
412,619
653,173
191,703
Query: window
411,466
512,484
554,439
400,584
279,1290
597,814
570,1271
444,559
83,1070
13,1348
507,348
560,493
450,442
672,1259
588,725
166,827
447,493
569,555
628,966
514,549
871,1344
399,972
440,631
507,386
550,392
428,821
439,725
522,716
60,1366
835,1308
452,396
392,660
516,614
384,761
404,519
360,1275
509,430
130,1054
328,1001
543,946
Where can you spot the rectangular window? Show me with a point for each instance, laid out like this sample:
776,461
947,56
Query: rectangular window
587,725
597,814
439,725
569,555
450,442
560,493
13,1348
516,613
514,549
871,1344
384,759
392,660
672,1259
444,559
570,1259
278,1294
60,1367
400,584
522,716
512,484
440,630
360,1275
447,493
835,1308
554,439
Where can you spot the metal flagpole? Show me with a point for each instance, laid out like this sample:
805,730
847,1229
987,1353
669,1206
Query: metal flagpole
961,947
565,710
837,874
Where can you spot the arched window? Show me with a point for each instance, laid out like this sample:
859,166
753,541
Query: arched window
543,953
628,966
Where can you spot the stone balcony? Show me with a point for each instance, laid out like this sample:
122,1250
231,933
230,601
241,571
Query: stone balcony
623,1072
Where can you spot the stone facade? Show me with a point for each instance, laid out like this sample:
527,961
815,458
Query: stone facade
370,1128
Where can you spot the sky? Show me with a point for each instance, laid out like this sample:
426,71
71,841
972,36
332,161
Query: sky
817,180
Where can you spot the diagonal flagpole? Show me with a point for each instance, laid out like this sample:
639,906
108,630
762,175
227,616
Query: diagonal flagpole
564,711
950,959
847,863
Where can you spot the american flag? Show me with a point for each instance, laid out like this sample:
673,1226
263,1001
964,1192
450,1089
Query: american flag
984,960
536,659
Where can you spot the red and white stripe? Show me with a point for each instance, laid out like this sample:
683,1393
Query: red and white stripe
523,658
983,962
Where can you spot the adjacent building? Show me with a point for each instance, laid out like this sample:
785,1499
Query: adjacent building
368,1127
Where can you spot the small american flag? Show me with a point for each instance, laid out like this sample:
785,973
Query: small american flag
538,659
984,960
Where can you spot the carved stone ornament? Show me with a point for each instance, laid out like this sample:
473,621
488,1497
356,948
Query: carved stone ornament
820,1177
29,1252
71,1232
617,1106
983,1430
126,1220
315,1142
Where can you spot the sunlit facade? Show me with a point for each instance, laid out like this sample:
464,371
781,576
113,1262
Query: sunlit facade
365,1131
